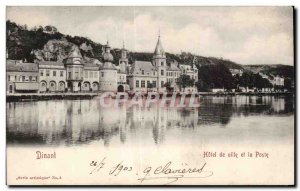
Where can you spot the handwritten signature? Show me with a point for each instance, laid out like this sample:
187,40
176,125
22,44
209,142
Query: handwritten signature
165,171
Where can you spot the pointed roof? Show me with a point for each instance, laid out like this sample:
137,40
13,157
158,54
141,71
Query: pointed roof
123,48
159,50
74,57
107,44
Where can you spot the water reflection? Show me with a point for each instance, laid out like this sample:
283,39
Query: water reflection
72,122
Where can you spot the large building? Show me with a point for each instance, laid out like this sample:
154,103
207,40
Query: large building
78,74
146,76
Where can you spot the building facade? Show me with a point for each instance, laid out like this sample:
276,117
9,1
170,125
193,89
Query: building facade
21,77
278,81
144,76
78,74
236,71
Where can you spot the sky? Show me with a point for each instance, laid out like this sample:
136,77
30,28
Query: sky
246,35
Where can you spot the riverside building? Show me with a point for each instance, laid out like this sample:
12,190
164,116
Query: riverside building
75,74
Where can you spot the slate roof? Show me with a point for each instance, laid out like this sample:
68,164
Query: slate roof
18,66
51,63
173,67
159,50
138,66
90,65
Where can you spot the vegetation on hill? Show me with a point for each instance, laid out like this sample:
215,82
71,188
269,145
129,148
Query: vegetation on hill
278,69
23,42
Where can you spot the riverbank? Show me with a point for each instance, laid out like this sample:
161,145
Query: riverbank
244,93
49,96
74,96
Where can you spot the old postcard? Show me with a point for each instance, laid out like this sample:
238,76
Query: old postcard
150,96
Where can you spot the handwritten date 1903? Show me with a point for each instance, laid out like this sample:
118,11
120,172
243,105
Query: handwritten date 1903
119,168
165,171
115,171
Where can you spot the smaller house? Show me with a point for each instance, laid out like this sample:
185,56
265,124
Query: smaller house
22,77
236,71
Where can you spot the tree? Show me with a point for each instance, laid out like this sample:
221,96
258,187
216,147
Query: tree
251,80
185,81
246,80
259,82
202,86
149,86
288,84
168,86
50,28
214,76
236,81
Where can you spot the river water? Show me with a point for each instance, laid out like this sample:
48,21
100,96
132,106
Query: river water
80,122
80,128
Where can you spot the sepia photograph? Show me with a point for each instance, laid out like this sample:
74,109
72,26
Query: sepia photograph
150,95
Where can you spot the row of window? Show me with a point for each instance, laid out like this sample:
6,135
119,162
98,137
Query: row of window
186,71
53,72
86,85
75,76
175,74
90,74
171,80
22,78
143,73
122,77
143,83
162,72
87,74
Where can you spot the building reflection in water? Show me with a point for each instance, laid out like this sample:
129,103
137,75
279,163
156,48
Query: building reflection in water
72,122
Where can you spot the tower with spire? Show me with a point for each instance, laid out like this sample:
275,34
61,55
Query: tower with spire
74,69
122,70
123,62
108,72
159,60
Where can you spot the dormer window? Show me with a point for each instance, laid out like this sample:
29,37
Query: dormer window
142,72
162,63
